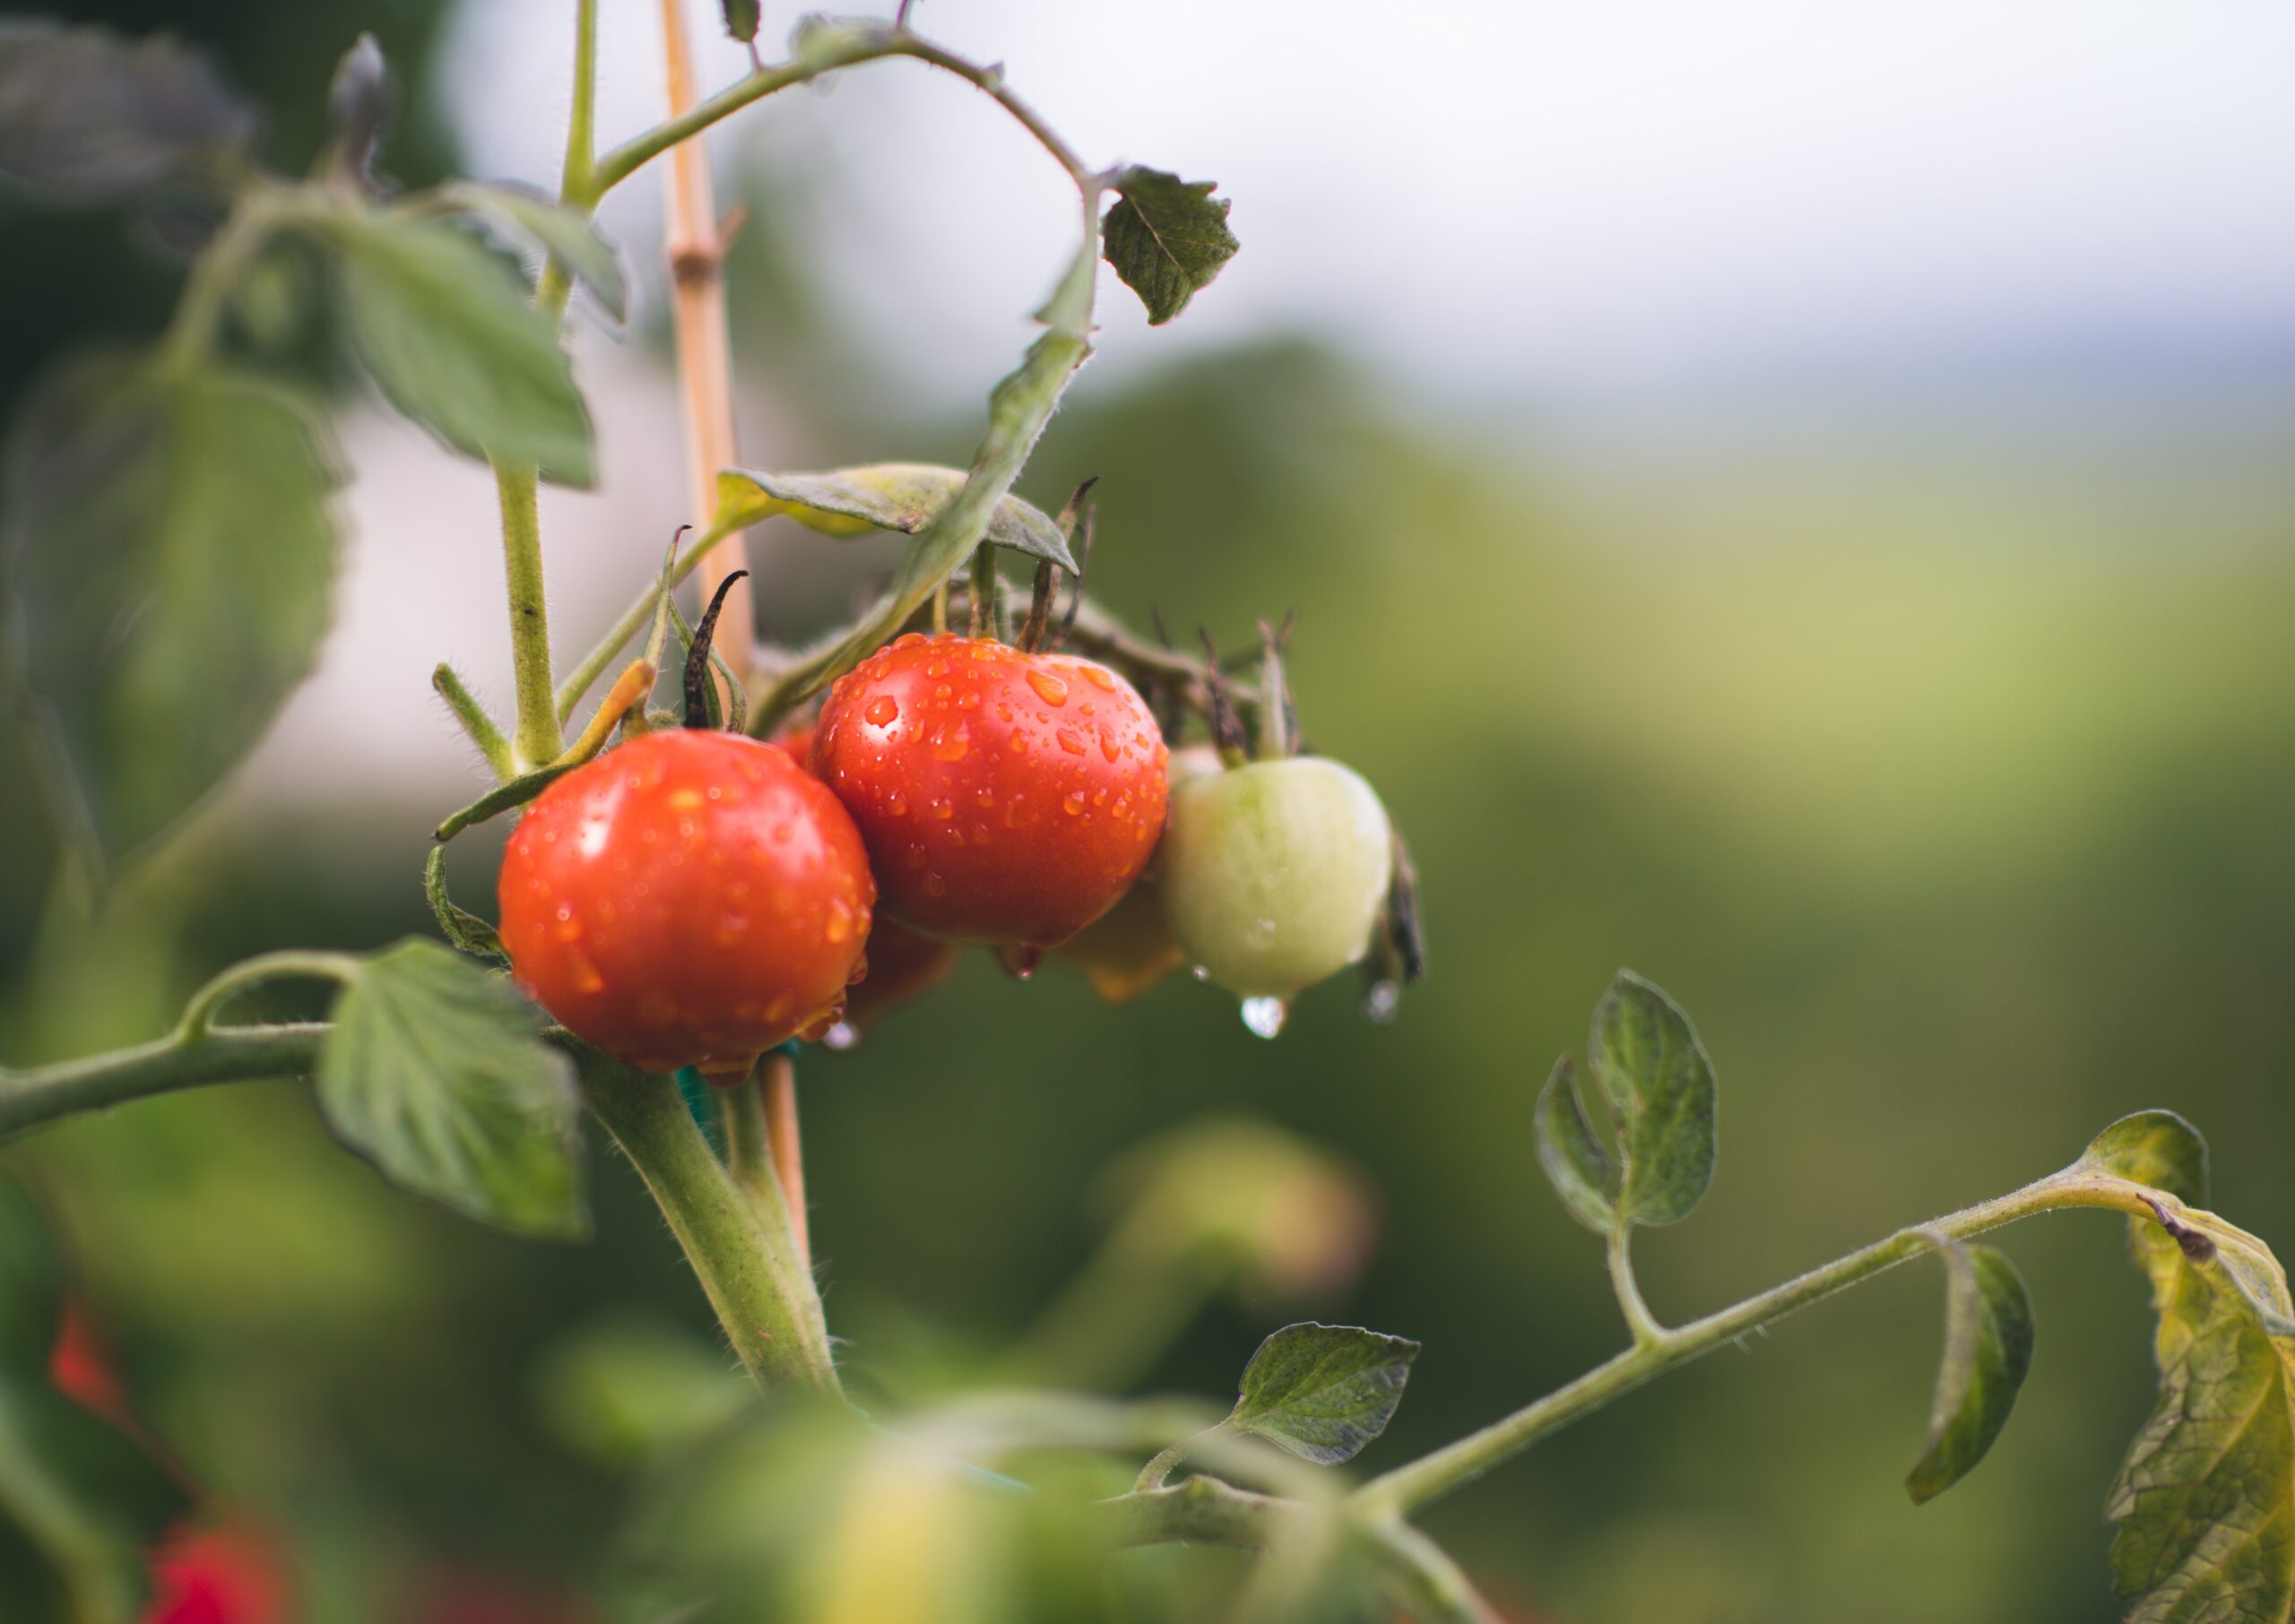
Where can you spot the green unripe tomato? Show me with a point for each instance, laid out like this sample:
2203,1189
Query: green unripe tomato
1273,874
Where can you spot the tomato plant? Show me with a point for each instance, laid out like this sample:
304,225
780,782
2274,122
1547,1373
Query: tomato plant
676,896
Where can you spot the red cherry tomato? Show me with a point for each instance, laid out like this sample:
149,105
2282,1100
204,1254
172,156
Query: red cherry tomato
1005,798
223,1575
690,898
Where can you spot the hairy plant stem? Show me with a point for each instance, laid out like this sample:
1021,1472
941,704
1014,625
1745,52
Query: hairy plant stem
740,1248
32,1098
1408,1487
1638,1318
536,738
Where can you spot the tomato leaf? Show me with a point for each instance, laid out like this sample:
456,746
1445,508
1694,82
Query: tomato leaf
1168,238
1646,1059
905,496
169,556
2205,1501
465,929
1323,1392
568,235
436,1072
1574,1159
445,327
2157,1148
1987,1350
88,117
741,19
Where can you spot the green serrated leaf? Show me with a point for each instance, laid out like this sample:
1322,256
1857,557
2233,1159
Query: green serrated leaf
436,1072
1574,1159
1646,1059
741,19
905,496
445,327
88,115
2205,1501
572,236
1323,1392
1168,238
170,556
2153,1147
1987,1350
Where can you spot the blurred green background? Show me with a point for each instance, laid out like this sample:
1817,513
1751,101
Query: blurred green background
1940,771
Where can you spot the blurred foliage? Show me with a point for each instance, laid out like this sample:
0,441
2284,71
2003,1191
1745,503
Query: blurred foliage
1948,790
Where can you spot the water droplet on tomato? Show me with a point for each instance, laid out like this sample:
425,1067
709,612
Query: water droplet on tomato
1070,741
1100,677
1266,1017
883,711
841,1037
934,885
1381,1002
952,743
896,804
1072,803
1049,688
939,668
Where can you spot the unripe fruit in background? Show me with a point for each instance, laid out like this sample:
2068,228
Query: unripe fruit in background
691,898
1272,875
1005,798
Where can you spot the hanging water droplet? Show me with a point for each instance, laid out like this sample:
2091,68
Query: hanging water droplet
1381,1000
1265,1017
1202,972
842,1036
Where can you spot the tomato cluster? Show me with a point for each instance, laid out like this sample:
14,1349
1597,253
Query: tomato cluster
694,897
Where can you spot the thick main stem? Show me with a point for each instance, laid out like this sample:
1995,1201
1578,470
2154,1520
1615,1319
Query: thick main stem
740,1249
696,252
1398,1492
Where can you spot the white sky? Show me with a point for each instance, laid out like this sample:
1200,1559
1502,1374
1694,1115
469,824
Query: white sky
1534,195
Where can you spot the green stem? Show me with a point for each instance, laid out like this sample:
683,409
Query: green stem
475,721
199,1015
739,1248
1409,1486
849,47
537,740
198,318
1110,1322
231,1054
1638,1320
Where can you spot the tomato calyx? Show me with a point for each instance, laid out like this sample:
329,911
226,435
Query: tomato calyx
696,659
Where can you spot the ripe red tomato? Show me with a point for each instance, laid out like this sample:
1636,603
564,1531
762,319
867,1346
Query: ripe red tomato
1005,796
691,898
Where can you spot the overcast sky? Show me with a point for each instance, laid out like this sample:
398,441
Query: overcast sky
1536,195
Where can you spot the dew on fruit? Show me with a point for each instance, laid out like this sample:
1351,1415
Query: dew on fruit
883,711
1100,679
1070,741
1072,803
1021,961
1049,688
896,804
1110,745
1381,1000
934,885
939,668
842,1036
952,743
1265,1017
